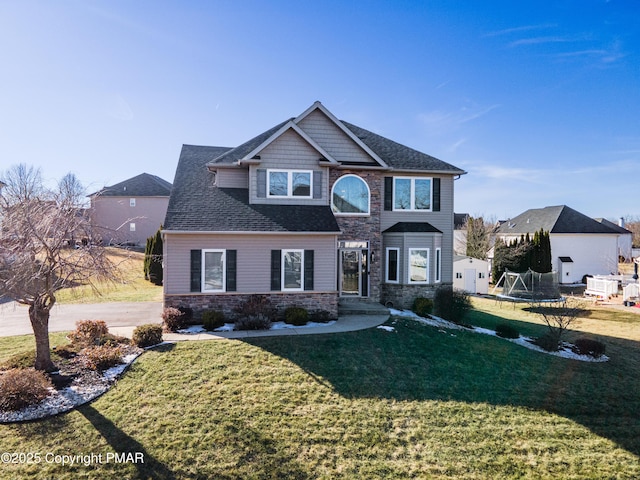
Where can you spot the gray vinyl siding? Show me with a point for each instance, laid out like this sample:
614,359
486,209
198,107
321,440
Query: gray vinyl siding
232,178
442,220
289,152
326,134
253,259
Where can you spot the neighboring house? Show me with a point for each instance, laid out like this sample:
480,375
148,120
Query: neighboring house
579,245
129,212
460,233
309,211
470,274
625,240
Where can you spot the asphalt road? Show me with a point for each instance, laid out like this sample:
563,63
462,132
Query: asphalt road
14,318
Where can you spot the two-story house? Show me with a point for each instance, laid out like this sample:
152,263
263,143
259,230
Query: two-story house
130,211
312,210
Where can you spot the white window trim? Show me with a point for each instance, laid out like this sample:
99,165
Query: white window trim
289,183
397,250
203,270
132,227
438,272
282,269
416,282
132,202
347,214
412,195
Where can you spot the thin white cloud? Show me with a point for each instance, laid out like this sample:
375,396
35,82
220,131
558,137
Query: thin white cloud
540,40
524,28
440,122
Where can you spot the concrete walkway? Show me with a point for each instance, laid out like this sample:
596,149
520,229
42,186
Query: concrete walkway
123,317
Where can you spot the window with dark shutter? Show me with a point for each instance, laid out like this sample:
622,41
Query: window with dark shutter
436,194
276,270
308,269
196,270
231,270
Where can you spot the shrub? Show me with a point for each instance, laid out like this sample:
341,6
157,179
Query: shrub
422,306
548,342
212,319
113,340
88,332
256,313
23,387
147,335
451,304
507,331
297,316
587,346
101,357
187,313
252,322
173,319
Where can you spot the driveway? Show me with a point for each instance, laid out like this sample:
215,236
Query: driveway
14,318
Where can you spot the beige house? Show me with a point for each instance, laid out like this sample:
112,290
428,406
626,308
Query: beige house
129,212
313,210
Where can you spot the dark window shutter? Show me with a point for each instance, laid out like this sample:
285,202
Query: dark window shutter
436,194
388,193
231,270
261,178
317,184
276,270
308,269
196,270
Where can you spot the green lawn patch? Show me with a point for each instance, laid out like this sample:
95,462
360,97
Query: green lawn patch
417,402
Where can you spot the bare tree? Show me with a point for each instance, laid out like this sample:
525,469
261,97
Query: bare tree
558,318
478,237
38,254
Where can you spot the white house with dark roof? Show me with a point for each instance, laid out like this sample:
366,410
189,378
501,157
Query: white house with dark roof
579,244
130,211
310,211
625,238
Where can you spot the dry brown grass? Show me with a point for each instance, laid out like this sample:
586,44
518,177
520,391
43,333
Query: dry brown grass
132,286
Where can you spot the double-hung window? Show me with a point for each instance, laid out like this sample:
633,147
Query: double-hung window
412,193
213,270
292,270
289,183
418,265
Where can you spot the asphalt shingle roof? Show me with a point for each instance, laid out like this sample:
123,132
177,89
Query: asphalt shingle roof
412,227
557,219
197,205
143,185
399,156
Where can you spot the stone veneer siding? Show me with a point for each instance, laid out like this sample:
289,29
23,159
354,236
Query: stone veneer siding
365,228
227,303
402,296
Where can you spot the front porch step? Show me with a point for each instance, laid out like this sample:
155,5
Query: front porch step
352,306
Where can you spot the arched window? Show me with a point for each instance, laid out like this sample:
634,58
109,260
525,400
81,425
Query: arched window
350,196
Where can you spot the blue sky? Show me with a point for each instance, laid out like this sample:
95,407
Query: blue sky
538,101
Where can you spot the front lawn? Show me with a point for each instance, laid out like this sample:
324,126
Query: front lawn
415,402
131,287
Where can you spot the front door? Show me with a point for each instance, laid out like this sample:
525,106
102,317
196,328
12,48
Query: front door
353,275
470,280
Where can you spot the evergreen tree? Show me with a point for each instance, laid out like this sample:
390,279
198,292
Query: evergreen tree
147,257
478,238
155,265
